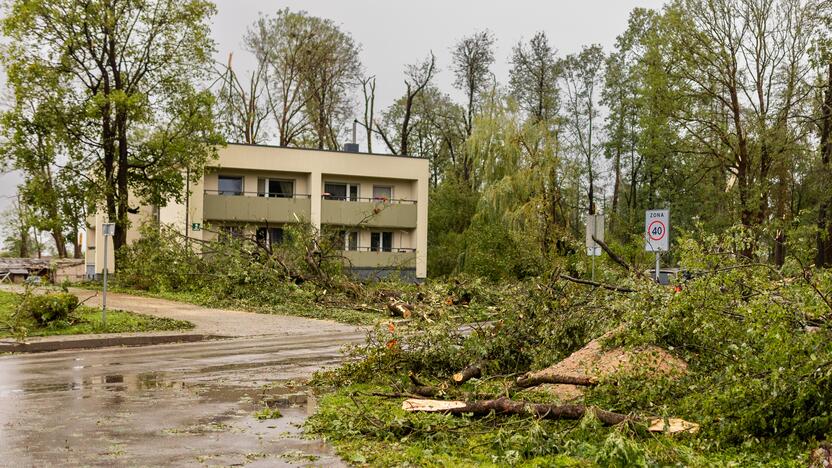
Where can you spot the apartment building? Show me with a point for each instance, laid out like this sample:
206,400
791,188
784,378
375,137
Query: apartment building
377,203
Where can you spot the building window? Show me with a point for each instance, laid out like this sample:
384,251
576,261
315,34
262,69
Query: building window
350,239
270,236
382,192
276,188
229,185
334,191
227,233
381,241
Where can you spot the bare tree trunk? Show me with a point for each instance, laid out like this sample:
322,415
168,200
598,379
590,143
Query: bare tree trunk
824,236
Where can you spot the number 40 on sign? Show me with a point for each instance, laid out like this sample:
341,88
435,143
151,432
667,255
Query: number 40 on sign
656,230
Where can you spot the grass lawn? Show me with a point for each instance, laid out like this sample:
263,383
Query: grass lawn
290,307
87,320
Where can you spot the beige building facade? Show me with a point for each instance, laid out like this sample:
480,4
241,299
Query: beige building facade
378,203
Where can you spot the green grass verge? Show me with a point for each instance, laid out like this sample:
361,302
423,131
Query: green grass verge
87,320
290,307
375,431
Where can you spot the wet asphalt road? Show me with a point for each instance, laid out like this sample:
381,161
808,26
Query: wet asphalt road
168,405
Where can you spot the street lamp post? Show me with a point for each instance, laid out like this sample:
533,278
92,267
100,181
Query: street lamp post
108,229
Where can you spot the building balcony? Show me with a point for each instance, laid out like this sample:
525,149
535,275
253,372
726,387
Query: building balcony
251,207
394,259
374,213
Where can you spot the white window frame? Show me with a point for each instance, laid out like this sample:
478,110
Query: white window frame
267,194
383,187
381,241
347,185
242,179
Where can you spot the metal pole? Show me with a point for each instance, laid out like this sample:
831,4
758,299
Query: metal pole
187,204
104,293
657,266
593,264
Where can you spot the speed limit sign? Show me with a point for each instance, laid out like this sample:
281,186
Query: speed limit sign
656,230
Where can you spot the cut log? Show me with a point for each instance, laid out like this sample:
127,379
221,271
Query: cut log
672,426
530,380
400,308
506,406
470,372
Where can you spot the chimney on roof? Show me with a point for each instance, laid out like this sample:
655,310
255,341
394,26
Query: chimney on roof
352,147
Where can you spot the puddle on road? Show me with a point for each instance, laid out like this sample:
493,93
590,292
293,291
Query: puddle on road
155,419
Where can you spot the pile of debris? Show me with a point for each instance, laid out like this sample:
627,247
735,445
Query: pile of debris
592,364
567,379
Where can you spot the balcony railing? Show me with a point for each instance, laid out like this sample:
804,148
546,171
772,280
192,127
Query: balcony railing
371,249
392,201
226,193
257,207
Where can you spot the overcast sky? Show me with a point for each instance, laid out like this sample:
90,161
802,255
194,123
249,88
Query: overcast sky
394,33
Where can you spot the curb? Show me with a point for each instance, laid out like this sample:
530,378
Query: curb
86,343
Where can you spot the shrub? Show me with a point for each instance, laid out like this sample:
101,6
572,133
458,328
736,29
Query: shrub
49,308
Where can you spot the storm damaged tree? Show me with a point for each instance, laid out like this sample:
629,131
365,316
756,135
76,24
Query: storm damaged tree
418,78
242,109
126,73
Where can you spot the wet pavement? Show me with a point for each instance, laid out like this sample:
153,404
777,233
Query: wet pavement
168,405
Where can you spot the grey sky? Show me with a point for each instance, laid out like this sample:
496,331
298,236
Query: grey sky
394,33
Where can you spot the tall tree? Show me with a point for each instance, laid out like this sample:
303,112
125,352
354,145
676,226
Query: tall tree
582,77
534,78
472,59
745,64
311,67
126,73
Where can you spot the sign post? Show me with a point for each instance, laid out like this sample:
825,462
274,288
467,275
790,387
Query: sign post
656,233
594,228
108,229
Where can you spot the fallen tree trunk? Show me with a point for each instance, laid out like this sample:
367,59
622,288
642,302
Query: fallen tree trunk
530,380
470,372
505,406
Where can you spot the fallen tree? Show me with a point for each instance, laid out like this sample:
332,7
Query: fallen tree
506,406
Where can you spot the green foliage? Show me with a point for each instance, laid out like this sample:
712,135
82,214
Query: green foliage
755,340
16,322
131,123
49,308
268,413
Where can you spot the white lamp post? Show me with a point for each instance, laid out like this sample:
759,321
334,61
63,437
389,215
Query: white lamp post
108,229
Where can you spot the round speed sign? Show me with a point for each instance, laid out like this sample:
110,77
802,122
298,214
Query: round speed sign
657,230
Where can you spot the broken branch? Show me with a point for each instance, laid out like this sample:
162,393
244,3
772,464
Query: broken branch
530,380
596,284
